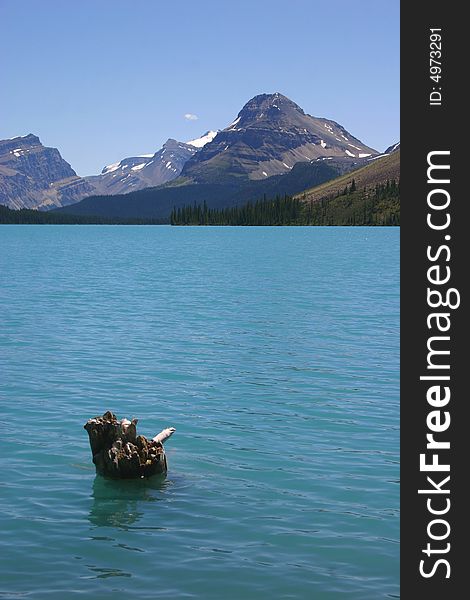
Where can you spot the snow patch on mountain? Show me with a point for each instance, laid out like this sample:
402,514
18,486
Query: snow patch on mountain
203,140
392,148
232,125
111,168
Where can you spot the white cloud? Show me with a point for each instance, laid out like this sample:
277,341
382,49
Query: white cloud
191,117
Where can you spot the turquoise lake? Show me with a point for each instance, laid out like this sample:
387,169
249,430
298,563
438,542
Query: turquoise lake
275,354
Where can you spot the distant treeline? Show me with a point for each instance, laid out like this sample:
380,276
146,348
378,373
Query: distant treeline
26,216
376,206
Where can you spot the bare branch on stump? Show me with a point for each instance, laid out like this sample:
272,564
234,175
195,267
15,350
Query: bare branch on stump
119,452
164,435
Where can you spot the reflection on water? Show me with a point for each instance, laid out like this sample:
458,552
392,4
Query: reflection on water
120,502
103,573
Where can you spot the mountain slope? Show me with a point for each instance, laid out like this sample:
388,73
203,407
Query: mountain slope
34,176
270,134
376,172
367,196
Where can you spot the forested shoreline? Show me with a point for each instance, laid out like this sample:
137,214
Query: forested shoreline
375,207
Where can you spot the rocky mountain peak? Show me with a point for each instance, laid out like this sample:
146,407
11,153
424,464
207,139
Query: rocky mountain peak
267,108
20,143
270,134
171,143
35,176
264,102
30,138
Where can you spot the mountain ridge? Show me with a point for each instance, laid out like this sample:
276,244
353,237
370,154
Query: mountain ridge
138,172
36,176
261,148
374,172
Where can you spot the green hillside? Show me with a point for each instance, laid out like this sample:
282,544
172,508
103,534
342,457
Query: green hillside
376,172
380,206
369,195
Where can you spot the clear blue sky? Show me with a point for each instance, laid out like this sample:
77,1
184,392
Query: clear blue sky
106,79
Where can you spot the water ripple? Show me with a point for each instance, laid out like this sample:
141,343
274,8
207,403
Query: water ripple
273,351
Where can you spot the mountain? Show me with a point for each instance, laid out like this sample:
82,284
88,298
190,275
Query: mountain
34,176
138,172
157,203
368,195
148,170
270,134
271,147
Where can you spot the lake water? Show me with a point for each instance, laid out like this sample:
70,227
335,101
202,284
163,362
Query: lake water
274,353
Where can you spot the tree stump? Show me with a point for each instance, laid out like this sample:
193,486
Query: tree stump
120,453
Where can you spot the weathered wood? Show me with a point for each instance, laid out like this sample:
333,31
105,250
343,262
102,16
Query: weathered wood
164,435
119,452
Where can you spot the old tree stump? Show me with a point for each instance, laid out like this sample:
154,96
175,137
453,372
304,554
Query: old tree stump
119,452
